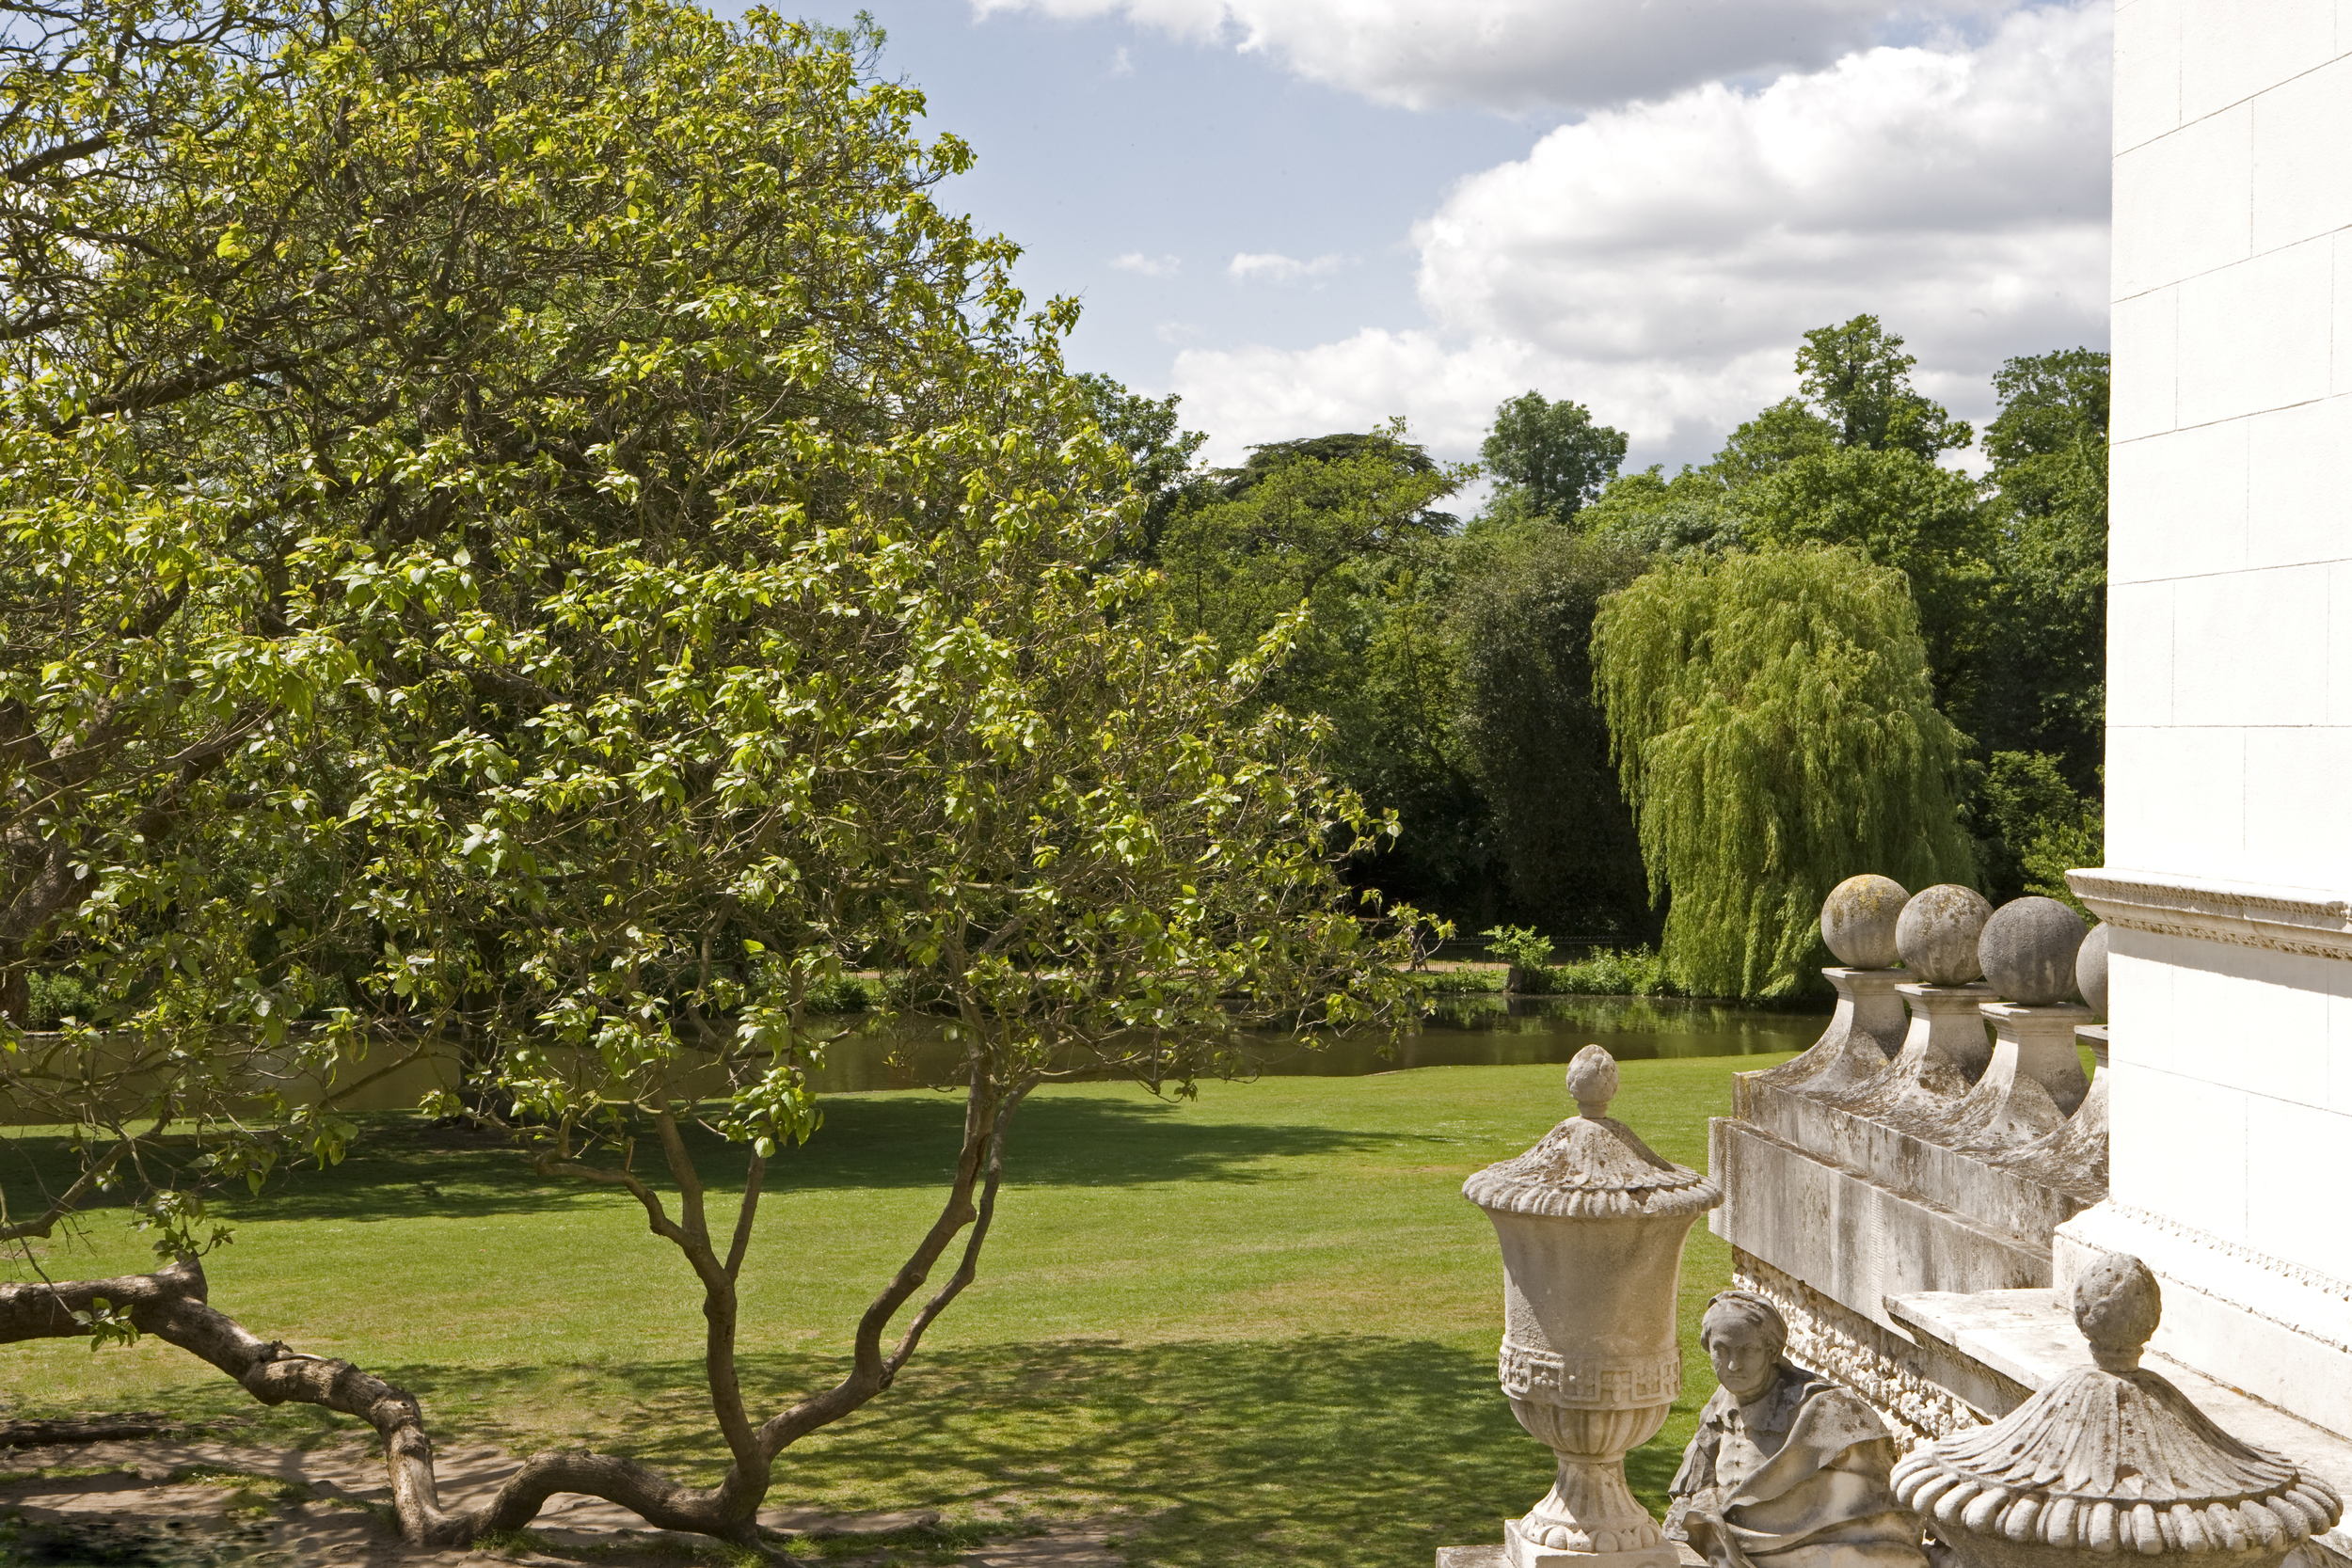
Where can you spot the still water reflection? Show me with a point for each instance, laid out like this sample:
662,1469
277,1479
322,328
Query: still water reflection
1462,1031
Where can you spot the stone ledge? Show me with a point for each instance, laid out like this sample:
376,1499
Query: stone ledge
2245,914
1854,1240
2017,1192
1493,1557
2024,1336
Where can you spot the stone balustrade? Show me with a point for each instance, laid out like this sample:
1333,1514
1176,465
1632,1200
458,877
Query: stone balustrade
1881,1163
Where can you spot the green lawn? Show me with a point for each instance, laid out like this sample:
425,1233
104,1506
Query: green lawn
1257,1327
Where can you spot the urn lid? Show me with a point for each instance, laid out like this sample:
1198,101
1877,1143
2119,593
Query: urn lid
1591,1166
2113,1458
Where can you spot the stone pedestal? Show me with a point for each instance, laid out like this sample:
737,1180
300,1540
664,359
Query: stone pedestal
2041,1042
1520,1552
1944,1052
2075,1152
1946,1027
1864,1034
2033,1083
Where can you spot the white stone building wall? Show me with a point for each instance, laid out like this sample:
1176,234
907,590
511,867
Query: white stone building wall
2229,642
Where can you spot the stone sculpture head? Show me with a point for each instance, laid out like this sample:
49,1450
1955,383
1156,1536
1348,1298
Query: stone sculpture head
1744,1334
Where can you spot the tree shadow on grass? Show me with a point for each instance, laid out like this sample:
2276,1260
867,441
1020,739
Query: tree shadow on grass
1252,1454
1365,1450
405,1167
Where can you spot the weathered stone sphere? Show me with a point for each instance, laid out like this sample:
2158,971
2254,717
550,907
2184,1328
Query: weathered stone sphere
2091,969
1936,935
2027,951
1858,919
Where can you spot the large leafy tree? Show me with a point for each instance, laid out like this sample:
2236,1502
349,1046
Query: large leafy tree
2041,710
1897,509
1160,451
1776,734
1856,377
533,542
2045,677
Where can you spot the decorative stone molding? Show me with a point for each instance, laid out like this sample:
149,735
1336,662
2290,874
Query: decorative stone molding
2310,1279
2245,914
1830,1339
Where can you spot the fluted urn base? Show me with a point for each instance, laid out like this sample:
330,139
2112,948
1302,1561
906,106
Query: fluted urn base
1589,1518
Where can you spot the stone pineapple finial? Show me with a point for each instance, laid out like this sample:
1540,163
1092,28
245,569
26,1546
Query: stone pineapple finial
1593,1081
2111,1459
2117,1305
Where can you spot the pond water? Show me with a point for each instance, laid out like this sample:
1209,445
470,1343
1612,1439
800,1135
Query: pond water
1462,1031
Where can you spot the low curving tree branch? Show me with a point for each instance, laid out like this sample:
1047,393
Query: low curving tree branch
171,1304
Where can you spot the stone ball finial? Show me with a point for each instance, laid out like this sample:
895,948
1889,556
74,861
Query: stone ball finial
2091,970
2027,949
2117,1305
1936,935
1593,1079
1858,919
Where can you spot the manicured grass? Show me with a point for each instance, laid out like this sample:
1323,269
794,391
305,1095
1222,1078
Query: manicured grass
1259,1326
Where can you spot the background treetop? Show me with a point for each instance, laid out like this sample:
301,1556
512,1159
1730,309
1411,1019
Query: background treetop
1552,454
1858,378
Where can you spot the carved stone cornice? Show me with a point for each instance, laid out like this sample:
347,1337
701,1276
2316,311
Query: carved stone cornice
2246,914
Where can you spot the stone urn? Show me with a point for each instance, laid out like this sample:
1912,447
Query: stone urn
1591,1225
2111,1461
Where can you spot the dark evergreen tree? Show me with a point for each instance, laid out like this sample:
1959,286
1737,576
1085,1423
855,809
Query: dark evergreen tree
1566,860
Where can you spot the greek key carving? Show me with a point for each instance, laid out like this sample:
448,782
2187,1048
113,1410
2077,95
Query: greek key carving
1587,1382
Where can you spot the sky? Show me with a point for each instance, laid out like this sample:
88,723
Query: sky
1309,215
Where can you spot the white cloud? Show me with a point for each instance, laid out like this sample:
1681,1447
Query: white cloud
1511,55
1150,266
1278,269
1121,63
1659,262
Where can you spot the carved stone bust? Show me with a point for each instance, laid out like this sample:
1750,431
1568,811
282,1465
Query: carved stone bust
1787,1469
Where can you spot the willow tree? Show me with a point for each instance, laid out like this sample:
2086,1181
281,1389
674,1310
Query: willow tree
1776,733
532,541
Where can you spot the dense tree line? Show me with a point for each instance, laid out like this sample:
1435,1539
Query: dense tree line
1455,660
